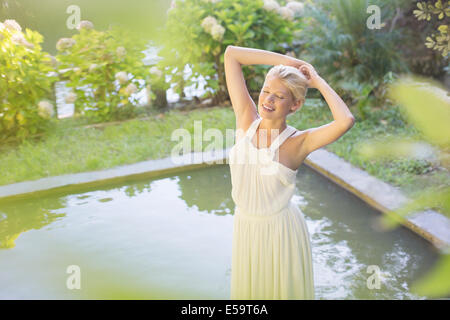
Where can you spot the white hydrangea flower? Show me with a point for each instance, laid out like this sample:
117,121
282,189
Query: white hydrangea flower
71,97
271,5
85,24
19,40
122,77
12,25
121,52
65,43
45,109
208,23
287,13
217,32
130,89
296,7
154,70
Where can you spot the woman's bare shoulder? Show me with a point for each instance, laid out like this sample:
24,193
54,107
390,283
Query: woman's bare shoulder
294,146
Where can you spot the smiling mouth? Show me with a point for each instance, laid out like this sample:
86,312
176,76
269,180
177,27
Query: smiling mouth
268,109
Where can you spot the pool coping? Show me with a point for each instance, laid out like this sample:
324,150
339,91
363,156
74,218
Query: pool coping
431,225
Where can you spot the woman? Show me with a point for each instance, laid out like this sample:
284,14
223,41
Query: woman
271,252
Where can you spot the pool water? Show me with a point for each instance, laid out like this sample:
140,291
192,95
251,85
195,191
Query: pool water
170,238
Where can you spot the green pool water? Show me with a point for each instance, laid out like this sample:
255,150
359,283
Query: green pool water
170,238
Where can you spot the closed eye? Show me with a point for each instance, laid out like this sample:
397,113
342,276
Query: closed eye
277,96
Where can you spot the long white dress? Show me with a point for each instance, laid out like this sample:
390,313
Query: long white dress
271,251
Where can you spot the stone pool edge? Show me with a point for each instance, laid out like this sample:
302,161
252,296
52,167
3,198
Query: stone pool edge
429,224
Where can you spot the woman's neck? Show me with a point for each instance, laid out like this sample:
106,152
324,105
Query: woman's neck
275,124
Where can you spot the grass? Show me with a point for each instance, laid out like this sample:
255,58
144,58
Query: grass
410,175
71,148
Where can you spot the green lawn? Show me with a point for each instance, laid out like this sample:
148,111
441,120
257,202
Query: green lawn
408,174
69,148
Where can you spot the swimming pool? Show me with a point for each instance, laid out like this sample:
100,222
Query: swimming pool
170,238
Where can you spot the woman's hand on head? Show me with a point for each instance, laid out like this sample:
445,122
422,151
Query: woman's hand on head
311,75
305,68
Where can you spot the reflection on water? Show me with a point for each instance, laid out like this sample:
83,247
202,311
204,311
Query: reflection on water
15,219
170,238
207,191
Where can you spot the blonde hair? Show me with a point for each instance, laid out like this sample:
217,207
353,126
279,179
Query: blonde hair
293,79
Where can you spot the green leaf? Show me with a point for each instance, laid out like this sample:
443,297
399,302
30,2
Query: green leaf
429,198
235,29
250,34
435,283
427,106
394,147
246,26
237,7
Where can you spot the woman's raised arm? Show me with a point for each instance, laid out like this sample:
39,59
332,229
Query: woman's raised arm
243,105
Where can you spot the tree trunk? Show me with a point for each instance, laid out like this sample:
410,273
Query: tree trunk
221,94
161,99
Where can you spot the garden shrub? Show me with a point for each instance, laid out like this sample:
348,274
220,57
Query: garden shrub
104,70
157,87
441,9
338,39
425,50
359,62
26,79
197,33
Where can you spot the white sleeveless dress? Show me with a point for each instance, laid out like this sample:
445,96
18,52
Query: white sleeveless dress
271,251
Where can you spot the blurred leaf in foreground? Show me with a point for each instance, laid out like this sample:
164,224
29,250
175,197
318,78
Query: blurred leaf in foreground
431,198
426,105
436,283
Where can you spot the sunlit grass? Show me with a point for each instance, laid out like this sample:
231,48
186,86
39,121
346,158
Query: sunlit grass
69,148
408,174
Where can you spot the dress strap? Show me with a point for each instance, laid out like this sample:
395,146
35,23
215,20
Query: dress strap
252,129
286,133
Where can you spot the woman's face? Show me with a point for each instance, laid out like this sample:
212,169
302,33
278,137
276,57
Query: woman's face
276,96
